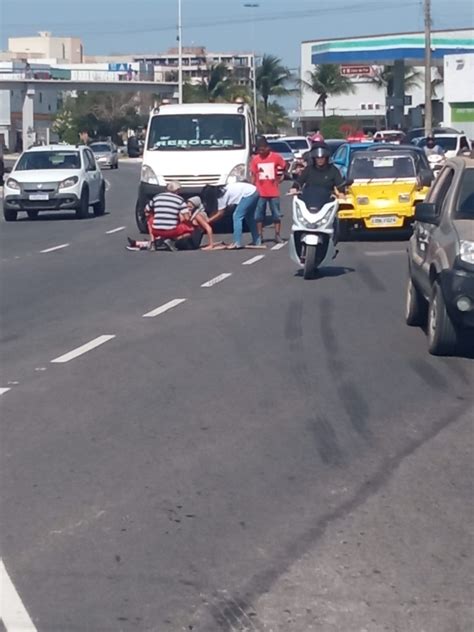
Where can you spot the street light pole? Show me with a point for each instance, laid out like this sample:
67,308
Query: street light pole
254,5
428,104
180,54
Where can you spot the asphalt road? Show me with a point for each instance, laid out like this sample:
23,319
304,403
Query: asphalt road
199,469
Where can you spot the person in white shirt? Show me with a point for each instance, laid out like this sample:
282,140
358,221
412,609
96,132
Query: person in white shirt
243,198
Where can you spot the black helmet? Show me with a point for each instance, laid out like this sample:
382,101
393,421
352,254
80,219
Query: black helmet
320,151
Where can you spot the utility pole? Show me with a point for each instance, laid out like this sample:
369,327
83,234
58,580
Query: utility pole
254,5
180,54
428,105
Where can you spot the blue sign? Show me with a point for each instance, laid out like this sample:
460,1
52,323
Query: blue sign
119,67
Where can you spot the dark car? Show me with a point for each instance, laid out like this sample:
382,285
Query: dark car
440,290
133,147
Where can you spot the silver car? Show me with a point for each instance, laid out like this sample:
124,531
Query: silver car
106,154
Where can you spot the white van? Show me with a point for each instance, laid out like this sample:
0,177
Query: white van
197,144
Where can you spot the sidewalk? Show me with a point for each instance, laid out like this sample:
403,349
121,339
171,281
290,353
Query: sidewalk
400,562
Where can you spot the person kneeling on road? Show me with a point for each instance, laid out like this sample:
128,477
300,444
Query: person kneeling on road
242,197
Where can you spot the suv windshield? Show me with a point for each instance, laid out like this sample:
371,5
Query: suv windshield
101,148
34,160
382,167
297,143
465,205
170,132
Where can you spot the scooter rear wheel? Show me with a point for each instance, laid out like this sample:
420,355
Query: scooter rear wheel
310,267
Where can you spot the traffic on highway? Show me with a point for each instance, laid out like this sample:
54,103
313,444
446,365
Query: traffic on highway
237,377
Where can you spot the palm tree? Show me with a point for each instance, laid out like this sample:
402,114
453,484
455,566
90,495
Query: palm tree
386,79
271,78
326,81
273,118
216,85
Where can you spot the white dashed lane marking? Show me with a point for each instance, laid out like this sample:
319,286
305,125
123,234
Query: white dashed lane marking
217,279
278,246
13,613
114,230
83,349
60,247
4,390
164,308
253,260
384,253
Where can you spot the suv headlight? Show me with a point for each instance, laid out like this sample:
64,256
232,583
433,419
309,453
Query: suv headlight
148,175
237,174
13,184
68,182
466,251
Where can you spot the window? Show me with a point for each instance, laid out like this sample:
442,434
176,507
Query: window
89,160
464,145
363,106
40,97
439,191
465,203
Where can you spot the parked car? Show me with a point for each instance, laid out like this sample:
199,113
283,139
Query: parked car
385,185
451,144
281,147
440,291
106,154
54,178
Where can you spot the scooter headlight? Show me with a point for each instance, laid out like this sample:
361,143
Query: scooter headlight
301,219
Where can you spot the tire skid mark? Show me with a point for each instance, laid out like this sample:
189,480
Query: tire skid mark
369,277
429,374
327,443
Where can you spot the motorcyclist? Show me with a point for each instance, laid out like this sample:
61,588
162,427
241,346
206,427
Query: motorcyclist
431,148
320,179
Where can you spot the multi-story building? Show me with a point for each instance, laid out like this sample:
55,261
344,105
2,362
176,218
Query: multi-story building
44,45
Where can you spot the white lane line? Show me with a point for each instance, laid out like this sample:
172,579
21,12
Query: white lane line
107,185
384,253
4,390
217,279
249,262
114,230
55,248
278,246
12,611
164,308
83,349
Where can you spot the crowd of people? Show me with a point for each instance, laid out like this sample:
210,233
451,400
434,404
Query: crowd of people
178,224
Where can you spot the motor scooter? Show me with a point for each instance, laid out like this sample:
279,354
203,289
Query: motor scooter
312,241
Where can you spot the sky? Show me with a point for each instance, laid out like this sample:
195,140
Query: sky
274,26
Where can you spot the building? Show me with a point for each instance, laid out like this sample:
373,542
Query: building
362,59
45,46
459,93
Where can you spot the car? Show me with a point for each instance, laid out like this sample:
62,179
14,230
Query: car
299,145
342,157
281,147
54,178
419,132
451,144
106,154
384,187
394,136
440,291
334,144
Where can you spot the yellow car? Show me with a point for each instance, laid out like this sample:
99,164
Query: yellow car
385,185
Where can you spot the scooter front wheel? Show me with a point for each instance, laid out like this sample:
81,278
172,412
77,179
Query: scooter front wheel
310,267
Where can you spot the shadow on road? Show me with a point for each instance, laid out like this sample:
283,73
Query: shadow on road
328,273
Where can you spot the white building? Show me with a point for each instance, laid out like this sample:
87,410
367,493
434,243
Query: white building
459,92
44,45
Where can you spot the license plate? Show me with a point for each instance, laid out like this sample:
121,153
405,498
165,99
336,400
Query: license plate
39,196
383,220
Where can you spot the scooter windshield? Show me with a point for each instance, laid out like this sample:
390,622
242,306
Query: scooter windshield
315,197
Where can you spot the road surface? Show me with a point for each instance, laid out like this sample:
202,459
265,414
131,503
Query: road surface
190,443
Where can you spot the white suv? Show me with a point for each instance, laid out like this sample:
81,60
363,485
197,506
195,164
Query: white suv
54,178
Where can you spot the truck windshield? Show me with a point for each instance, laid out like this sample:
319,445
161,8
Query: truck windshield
170,132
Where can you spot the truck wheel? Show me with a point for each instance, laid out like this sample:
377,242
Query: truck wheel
140,217
416,308
442,335
10,215
309,271
99,207
82,210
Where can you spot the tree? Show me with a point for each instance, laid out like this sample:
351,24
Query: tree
272,119
326,81
65,127
271,79
216,84
386,79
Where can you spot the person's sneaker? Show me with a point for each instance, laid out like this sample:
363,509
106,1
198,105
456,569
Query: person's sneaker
131,242
279,240
169,243
134,248
158,243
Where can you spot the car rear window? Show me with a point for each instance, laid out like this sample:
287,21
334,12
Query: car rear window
465,205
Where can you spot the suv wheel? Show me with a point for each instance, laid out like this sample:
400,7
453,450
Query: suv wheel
416,308
10,215
82,210
442,335
99,207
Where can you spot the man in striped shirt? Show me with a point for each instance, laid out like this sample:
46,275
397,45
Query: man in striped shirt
168,216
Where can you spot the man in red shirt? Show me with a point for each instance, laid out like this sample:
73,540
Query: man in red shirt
267,169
